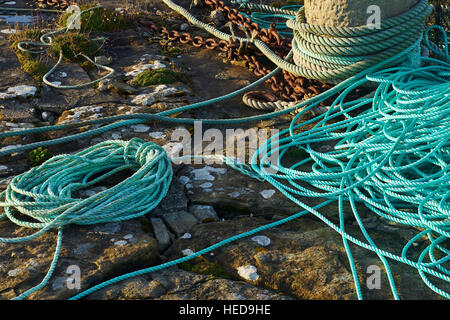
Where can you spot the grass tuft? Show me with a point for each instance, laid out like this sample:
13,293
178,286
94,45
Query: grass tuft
73,44
28,61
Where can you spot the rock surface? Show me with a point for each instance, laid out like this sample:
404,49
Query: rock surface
180,222
304,260
161,233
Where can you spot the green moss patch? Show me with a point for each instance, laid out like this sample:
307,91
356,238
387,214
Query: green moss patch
38,156
158,76
99,19
72,45
297,153
34,68
203,266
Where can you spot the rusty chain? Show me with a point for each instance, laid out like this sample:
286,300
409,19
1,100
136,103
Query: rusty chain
286,85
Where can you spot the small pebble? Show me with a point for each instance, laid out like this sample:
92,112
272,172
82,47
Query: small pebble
267,194
187,252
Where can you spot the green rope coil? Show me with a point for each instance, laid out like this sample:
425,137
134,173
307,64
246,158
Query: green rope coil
46,193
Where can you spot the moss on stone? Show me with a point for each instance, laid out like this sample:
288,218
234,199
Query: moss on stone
72,45
157,76
30,65
27,34
207,220
99,19
261,250
203,266
38,156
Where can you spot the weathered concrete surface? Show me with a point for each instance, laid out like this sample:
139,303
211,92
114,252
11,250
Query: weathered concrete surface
351,13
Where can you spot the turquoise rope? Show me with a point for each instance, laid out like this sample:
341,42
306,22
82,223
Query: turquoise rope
46,40
45,193
407,102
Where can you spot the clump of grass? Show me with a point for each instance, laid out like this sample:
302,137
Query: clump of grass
72,45
28,61
38,156
27,34
99,19
203,266
158,76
